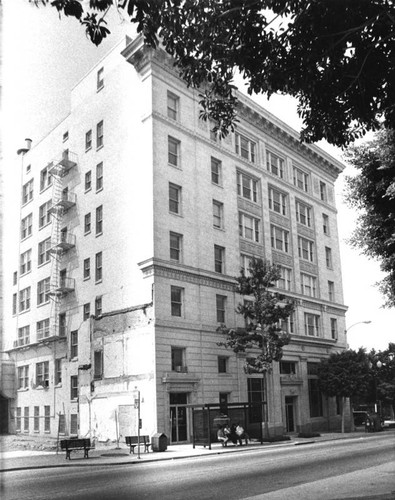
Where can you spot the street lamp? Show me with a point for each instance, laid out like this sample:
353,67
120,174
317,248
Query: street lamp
367,322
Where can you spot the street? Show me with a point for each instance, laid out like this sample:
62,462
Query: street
328,470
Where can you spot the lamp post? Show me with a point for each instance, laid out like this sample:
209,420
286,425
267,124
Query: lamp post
366,322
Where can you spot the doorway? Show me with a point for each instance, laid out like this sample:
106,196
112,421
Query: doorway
290,413
179,417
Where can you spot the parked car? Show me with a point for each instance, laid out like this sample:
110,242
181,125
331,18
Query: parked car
360,417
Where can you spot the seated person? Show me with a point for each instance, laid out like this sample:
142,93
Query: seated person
241,434
221,436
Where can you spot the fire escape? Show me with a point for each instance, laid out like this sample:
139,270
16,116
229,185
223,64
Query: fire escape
62,241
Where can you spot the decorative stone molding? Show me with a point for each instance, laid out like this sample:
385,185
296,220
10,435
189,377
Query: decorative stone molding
279,220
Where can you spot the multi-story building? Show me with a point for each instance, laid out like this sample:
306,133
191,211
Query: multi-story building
135,219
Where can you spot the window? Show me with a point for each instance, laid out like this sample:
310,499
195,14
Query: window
328,258
245,148
301,179
98,306
285,281
175,246
173,151
66,136
245,261
87,268
174,199
45,178
24,299
23,377
42,329
88,140
44,214
287,368
214,134
247,187
25,262
42,374
221,307
249,227
14,303
288,324
98,365
36,421
62,423
87,223
74,387
315,397
43,291
27,192
24,335
323,194
331,291
256,396
219,259
26,226
216,171
176,300
18,419
62,325
88,180
275,164
311,325
218,214
178,359
28,168
58,371
222,364
334,328
99,176
44,255
99,267
305,249
14,277
99,220
47,419
303,214
100,79
279,238
173,103
73,424
325,224
86,311
26,419
99,135
308,285
74,343
277,201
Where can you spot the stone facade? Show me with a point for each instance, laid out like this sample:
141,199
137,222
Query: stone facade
174,213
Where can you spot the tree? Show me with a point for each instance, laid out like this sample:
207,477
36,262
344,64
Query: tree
335,57
382,364
345,375
372,193
263,335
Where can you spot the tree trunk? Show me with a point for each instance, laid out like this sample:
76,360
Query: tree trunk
266,433
343,407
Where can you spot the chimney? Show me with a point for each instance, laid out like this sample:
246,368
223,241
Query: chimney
24,150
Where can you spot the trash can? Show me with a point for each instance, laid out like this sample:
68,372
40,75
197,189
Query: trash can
159,442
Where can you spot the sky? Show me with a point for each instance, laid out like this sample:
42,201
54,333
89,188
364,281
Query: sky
43,57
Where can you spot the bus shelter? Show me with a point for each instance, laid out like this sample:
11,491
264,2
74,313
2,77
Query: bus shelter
207,419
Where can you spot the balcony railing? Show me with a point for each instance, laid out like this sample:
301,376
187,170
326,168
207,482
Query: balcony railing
66,242
62,166
181,369
67,201
65,286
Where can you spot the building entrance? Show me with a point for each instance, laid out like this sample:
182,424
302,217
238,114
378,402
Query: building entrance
179,417
290,413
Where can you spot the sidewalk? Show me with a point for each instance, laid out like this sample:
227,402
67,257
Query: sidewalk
105,455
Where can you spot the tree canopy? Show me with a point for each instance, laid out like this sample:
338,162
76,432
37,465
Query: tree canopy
372,193
263,336
382,365
336,57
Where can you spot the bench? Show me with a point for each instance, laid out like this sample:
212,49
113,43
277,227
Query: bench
74,444
133,441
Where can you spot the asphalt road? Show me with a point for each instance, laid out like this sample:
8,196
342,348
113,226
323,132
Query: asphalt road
256,473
